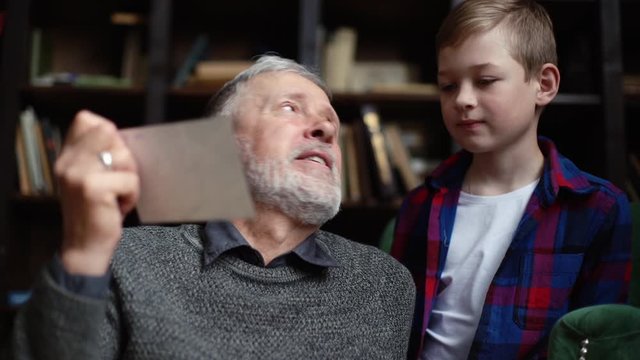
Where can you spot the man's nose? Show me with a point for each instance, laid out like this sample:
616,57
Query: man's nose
321,129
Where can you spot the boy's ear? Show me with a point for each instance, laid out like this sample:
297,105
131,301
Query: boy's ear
548,82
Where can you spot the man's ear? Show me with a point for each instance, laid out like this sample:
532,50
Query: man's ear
548,82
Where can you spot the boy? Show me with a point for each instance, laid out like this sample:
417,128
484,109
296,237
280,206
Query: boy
507,235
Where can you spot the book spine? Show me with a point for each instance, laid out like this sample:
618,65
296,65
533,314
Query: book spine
386,185
23,171
400,157
52,144
197,52
339,57
350,164
29,134
364,161
45,168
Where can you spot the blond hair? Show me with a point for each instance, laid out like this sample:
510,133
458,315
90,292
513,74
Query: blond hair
527,26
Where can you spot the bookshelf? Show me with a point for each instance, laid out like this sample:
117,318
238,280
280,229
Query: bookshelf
591,53
631,65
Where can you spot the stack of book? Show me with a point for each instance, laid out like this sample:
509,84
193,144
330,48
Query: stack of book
38,144
212,74
379,162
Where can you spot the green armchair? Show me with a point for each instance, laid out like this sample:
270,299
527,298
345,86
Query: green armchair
610,331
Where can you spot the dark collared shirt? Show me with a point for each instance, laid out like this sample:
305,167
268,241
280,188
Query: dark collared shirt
223,238
219,238
91,286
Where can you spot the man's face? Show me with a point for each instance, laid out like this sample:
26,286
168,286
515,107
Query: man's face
288,132
486,103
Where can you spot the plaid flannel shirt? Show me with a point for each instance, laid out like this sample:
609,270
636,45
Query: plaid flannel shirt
572,248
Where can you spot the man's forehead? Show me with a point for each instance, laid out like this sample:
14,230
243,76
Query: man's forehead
286,84
275,78
278,85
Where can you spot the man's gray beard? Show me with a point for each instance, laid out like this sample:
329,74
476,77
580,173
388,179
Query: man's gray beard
303,197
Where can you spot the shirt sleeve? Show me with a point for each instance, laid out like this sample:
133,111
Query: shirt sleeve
58,324
95,287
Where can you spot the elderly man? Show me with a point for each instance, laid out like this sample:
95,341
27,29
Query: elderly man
274,286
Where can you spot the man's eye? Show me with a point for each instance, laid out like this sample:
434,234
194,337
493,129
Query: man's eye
288,107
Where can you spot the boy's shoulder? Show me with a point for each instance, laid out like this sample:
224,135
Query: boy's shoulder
563,172
564,182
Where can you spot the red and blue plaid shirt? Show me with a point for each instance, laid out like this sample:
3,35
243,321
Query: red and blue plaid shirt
572,248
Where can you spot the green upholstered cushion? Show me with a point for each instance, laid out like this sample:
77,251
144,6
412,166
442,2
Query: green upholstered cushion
613,331
386,239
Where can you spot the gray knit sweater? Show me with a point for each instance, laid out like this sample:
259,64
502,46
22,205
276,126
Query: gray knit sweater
164,304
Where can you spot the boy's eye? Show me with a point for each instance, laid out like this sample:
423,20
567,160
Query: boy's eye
486,81
445,88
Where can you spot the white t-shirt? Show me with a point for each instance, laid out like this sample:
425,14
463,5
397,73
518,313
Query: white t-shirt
482,232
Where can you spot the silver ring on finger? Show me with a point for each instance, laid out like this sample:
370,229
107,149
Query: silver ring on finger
106,158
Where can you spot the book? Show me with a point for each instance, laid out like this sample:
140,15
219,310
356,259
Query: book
133,66
631,84
363,161
32,152
52,145
45,167
366,75
384,178
400,156
133,63
23,172
41,55
219,69
350,164
99,81
36,48
213,74
127,18
422,140
339,57
199,50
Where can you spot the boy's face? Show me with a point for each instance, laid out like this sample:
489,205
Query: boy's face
486,103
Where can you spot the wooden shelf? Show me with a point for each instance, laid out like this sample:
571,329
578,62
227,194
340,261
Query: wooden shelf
81,91
33,202
124,106
632,99
577,99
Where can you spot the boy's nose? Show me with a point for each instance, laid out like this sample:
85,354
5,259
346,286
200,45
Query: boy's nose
466,97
